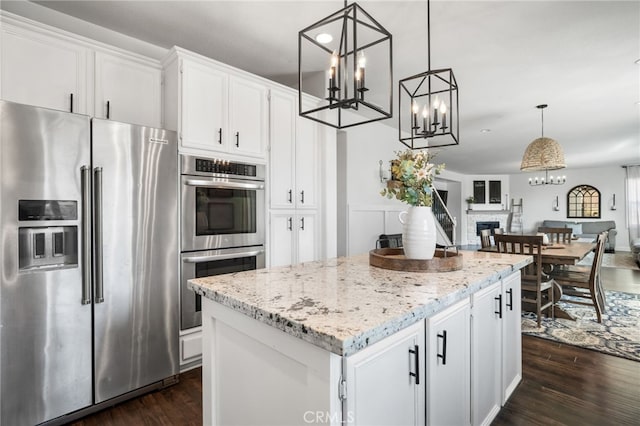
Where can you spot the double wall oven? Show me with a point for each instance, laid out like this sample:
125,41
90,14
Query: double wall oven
223,224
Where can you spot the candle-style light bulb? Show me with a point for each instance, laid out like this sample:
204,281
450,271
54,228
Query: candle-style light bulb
436,105
443,111
333,70
425,119
362,62
414,109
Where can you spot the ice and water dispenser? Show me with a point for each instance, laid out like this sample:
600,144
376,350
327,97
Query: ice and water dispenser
42,246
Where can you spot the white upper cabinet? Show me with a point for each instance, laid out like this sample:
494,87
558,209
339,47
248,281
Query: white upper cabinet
127,90
43,70
214,108
282,153
248,117
203,107
295,155
307,162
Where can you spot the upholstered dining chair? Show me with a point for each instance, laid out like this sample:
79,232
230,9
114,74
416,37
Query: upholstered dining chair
537,289
485,238
557,235
584,283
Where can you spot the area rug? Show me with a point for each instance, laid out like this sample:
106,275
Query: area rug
618,334
620,259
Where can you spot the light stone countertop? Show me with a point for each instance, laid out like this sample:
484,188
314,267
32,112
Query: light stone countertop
344,304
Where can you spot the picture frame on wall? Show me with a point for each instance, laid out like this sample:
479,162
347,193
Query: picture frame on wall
479,191
495,192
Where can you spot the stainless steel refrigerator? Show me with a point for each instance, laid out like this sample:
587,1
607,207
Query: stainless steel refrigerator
89,262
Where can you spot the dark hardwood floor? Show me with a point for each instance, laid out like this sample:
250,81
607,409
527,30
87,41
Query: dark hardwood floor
561,385
176,405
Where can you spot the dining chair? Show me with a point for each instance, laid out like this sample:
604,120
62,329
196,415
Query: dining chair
584,283
557,235
537,288
497,231
485,238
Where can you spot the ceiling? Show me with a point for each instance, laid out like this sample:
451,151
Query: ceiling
508,56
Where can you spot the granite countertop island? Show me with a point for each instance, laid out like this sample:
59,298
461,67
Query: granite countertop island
343,305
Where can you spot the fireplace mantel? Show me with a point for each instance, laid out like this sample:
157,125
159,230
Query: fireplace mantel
487,212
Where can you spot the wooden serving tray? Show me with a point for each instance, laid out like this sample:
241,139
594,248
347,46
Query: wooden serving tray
394,259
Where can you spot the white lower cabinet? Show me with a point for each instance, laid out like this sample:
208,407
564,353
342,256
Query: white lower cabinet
385,382
486,337
190,348
293,236
448,375
511,336
497,350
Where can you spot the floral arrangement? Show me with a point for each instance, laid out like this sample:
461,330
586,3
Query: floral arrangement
411,177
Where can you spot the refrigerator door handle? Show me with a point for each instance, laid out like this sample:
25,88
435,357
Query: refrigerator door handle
97,236
86,235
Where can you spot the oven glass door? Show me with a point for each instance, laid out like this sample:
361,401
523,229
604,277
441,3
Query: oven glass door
209,263
220,213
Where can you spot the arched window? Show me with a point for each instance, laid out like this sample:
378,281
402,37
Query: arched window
583,201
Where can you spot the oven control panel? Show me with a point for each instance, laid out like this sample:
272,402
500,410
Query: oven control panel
223,167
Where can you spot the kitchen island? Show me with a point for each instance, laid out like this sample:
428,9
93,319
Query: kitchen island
341,341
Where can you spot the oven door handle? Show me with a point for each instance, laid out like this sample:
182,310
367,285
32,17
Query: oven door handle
209,258
223,185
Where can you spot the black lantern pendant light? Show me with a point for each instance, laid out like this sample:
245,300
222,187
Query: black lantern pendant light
346,61
428,105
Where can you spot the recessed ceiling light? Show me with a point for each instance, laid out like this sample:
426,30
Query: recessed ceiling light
324,38
485,130
637,62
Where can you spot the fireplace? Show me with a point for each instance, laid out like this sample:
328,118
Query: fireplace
486,225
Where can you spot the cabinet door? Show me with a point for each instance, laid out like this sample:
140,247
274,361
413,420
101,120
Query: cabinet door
448,376
41,70
248,117
281,155
307,237
381,386
127,90
307,163
281,227
203,107
486,354
511,336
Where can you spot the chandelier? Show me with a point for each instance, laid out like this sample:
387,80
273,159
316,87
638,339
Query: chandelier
428,105
544,154
346,61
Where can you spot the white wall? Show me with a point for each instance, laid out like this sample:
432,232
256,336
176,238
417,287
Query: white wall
363,212
538,201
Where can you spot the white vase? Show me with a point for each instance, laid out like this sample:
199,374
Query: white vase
418,232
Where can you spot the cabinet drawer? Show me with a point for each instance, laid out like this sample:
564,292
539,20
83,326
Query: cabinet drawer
190,347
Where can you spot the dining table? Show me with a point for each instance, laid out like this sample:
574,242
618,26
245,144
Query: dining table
559,254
